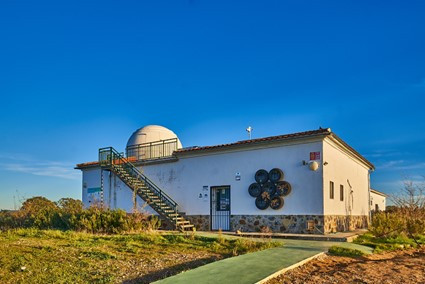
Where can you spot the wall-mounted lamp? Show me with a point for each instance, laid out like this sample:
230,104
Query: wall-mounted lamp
314,166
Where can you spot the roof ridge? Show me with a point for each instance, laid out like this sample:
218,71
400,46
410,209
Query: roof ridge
262,139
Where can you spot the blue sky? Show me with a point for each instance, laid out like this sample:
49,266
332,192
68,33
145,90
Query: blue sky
76,76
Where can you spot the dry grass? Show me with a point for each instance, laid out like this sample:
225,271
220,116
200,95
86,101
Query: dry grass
37,256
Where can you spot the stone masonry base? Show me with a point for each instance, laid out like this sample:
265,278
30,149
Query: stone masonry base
286,223
334,223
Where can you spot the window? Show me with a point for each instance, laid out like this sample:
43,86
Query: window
331,190
341,192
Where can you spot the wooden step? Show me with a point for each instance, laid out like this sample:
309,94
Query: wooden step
178,218
186,226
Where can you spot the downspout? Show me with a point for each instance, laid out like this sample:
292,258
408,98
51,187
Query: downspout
368,200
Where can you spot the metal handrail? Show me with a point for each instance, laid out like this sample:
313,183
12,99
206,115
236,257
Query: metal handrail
114,157
153,150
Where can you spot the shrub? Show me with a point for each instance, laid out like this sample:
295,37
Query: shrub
348,252
399,222
387,224
68,214
40,212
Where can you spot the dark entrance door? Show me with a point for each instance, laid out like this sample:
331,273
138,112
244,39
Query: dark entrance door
220,208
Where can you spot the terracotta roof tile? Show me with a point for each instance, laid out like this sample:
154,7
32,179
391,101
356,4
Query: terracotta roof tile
323,131
85,165
305,134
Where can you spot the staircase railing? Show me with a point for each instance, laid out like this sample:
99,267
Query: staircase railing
153,150
109,157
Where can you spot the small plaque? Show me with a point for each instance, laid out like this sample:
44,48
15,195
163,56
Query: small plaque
314,156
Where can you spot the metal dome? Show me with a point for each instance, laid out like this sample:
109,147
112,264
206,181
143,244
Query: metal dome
152,133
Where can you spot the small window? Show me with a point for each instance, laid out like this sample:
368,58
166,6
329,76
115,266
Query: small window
331,190
341,192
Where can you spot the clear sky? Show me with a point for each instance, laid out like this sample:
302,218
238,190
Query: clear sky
79,75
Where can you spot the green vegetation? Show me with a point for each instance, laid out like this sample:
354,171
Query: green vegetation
402,225
399,222
342,251
395,230
60,242
68,214
395,242
54,256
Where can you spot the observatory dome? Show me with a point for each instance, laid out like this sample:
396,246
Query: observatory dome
152,133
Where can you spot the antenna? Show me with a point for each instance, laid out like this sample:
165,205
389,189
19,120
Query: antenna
249,130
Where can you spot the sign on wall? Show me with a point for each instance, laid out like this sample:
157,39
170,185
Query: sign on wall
94,189
314,156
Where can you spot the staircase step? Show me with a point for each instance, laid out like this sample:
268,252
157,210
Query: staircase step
186,226
150,194
178,218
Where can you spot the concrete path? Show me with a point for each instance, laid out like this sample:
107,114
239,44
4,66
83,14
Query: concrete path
333,237
254,267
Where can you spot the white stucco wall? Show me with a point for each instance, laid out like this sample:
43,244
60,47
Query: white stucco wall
379,200
184,180
188,177
344,170
115,195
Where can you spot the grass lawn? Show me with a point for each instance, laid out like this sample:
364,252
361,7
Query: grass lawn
37,256
389,243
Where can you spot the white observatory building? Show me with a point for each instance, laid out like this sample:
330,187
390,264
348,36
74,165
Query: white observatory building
306,182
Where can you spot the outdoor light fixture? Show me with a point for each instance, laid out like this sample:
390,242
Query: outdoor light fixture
249,130
314,166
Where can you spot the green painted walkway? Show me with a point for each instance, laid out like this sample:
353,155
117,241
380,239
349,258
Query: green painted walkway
253,267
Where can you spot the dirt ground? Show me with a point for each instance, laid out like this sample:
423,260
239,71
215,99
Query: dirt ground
392,267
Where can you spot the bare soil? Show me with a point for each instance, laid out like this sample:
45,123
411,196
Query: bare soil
407,266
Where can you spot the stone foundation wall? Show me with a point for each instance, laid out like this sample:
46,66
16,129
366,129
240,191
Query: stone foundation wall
335,223
201,222
284,223
277,223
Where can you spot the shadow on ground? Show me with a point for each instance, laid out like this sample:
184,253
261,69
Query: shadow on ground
170,271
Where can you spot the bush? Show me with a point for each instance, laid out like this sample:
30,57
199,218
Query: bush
348,252
386,224
399,222
68,214
401,241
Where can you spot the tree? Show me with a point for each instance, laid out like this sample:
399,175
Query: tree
36,204
40,212
411,208
70,205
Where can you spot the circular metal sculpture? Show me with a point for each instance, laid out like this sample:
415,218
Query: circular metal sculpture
276,175
262,203
269,189
276,202
261,176
255,189
283,188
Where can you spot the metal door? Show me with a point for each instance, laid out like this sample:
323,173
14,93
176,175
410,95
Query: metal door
220,208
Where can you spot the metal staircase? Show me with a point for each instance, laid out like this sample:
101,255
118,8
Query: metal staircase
163,204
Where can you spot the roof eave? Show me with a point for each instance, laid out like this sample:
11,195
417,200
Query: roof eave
353,151
247,144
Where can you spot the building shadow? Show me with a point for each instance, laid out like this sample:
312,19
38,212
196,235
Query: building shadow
170,271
